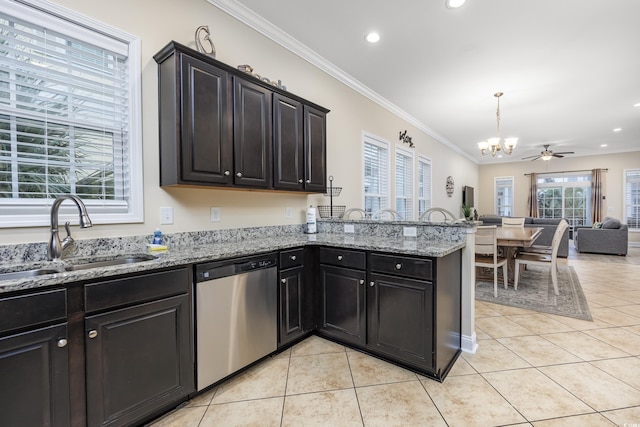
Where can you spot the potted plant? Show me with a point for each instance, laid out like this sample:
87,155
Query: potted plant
467,212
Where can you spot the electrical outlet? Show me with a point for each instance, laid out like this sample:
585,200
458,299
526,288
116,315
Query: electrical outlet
288,213
215,215
166,215
410,232
349,228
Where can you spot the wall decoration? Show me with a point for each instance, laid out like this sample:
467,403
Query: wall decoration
203,34
449,186
246,68
406,139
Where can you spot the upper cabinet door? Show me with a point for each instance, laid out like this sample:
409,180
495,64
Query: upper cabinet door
206,123
252,134
315,145
288,146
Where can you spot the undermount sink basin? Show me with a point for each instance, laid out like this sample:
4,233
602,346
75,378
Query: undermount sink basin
27,273
86,264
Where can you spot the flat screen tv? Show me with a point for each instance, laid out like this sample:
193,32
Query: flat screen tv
467,196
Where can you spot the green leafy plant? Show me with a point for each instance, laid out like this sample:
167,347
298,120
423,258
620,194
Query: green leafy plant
467,211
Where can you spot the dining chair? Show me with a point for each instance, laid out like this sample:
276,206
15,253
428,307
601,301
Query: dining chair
544,259
447,215
487,254
388,214
359,211
512,222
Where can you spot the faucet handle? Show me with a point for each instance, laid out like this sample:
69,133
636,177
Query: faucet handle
67,240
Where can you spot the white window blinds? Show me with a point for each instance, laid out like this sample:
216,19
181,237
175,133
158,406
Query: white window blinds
424,185
64,114
632,198
504,195
376,166
404,183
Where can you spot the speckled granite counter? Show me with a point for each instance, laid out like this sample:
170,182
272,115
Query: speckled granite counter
190,248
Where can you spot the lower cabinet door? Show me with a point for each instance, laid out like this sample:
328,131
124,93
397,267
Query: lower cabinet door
343,303
291,291
138,361
34,378
400,319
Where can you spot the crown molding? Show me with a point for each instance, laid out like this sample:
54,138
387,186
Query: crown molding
266,28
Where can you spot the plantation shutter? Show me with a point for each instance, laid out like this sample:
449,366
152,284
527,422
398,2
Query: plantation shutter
64,114
375,176
632,198
424,185
404,184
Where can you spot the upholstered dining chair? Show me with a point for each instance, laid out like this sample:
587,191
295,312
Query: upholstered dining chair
544,259
512,222
487,254
388,214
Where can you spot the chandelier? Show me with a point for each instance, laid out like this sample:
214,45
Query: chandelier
493,145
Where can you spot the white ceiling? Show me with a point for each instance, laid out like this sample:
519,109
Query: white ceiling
569,69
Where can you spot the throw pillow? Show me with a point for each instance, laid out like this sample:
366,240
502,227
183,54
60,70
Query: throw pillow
611,223
597,225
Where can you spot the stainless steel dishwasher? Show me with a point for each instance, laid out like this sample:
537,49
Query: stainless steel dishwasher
236,315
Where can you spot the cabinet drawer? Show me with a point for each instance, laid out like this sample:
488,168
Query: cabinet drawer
120,292
29,310
417,268
292,258
343,258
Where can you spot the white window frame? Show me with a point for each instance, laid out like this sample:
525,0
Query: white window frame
427,185
627,197
565,183
36,212
408,187
496,204
384,166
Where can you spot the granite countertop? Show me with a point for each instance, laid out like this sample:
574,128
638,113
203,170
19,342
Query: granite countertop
185,255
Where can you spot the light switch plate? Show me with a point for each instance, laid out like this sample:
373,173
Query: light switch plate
349,228
410,232
288,213
166,215
215,215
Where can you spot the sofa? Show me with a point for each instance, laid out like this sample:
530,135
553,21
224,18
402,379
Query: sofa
609,238
549,226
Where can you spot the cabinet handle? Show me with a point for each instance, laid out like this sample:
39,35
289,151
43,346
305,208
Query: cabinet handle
293,257
227,173
93,333
300,181
62,342
398,266
239,175
372,284
339,257
362,281
283,281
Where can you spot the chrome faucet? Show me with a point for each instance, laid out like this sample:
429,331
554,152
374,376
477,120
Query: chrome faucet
55,245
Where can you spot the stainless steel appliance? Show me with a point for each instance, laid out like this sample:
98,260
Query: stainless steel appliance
236,315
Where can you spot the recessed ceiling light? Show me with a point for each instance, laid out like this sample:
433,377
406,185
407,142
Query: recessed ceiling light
373,37
454,4
603,145
617,130
637,105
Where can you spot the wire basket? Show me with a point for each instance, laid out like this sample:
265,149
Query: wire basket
325,211
333,191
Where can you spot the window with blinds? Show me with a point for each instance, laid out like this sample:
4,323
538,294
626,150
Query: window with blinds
404,183
632,198
565,195
67,119
504,195
424,185
376,170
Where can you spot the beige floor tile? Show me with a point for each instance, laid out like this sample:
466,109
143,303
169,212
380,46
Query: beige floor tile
267,379
485,310
284,354
605,300
584,346
319,372
501,327
538,351
579,324
589,420
631,309
315,345
593,386
493,356
203,399
626,369
534,395
471,401
184,417
621,338
461,367
624,417
482,335
330,408
367,370
249,413
506,310
635,329
615,317
540,323
399,404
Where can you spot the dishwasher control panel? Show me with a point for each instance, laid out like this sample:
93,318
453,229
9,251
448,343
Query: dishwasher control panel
218,269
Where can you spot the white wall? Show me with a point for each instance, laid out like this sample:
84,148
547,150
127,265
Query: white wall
160,21
613,180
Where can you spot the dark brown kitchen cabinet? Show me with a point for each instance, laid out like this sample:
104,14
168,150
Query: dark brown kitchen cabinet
291,296
315,152
195,122
34,360
288,144
251,134
139,351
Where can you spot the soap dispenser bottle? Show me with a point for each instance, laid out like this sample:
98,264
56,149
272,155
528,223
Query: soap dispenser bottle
157,237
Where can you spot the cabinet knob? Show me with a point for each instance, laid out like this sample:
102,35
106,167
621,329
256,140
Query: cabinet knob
300,181
372,284
339,257
62,342
362,281
227,173
308,181
398,266
93,333
293,257
239,175
283,281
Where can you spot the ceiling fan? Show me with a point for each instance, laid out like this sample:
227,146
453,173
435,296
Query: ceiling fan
547,154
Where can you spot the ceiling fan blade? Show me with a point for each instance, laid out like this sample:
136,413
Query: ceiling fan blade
557,155
565,152
532,157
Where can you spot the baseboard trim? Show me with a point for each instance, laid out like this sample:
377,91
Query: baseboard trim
469,344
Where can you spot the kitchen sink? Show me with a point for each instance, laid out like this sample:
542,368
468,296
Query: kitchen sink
27,273
85,264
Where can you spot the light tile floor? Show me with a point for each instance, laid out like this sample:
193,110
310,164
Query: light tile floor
530,369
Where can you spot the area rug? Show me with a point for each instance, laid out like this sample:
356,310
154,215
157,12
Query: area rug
535,292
